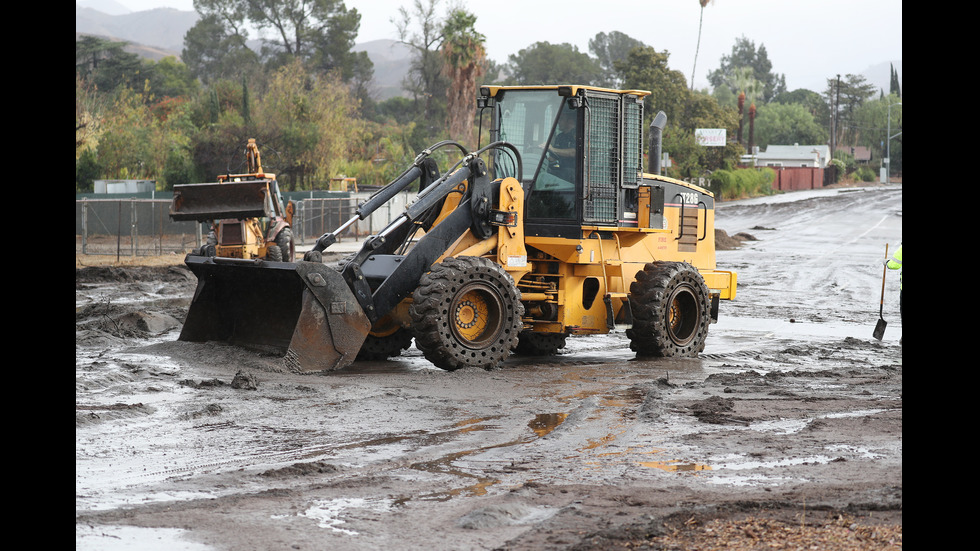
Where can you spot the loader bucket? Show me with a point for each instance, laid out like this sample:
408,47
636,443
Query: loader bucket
216,201
302,310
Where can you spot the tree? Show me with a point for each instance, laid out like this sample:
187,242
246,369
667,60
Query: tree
744,54
421,31
87,171
318,32
645,68
135,142
848,96
702,111
308,119
216,46
380,154
895,87
302,29
779,123
871,119
463,55
90,108
697,48
809,100
545,63
171,78
106,64
608,49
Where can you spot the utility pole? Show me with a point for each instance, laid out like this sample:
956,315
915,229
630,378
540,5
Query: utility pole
833,119
888,143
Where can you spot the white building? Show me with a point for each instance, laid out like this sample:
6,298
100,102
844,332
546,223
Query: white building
796,155
125,186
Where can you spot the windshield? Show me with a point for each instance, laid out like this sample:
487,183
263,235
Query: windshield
545,131
526,119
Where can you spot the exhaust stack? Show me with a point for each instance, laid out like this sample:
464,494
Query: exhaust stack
656,135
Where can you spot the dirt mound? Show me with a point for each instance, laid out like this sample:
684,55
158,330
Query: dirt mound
106,274
725,242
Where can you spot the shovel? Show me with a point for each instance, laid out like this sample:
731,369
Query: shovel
880,328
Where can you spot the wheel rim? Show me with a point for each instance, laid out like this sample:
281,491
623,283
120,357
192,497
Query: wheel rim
682,315
385,327
475,315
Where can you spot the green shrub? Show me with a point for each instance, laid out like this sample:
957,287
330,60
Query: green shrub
841,169
742,183
865,174
87,170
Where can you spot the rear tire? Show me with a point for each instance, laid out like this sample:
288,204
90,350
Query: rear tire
531,343
383,347
670,305
466,312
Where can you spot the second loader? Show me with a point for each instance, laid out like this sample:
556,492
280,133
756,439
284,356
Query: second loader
551,230
246,213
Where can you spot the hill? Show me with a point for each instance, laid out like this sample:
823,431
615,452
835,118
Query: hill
155,34
162,29
881,74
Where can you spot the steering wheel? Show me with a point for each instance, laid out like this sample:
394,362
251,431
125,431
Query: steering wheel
553,159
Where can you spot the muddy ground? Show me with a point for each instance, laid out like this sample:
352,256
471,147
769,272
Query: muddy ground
785,433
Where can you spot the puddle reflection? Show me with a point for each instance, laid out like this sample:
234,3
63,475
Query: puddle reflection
544,423
675,466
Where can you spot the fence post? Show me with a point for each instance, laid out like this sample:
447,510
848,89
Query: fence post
159,225
118,230
84,226
132,227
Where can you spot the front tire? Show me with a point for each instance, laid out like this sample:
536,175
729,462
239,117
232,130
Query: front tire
273,253
466,312
285,242
670,305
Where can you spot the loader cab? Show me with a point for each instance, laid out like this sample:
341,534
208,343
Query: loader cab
580,153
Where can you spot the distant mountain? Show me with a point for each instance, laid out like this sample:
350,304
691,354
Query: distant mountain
391,63
110,7
161,28
155,34
881,75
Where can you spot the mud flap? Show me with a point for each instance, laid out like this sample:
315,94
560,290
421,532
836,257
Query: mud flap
303,311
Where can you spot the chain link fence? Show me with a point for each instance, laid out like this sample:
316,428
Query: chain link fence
142,227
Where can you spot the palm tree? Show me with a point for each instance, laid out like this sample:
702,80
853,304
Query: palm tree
700,19
464,57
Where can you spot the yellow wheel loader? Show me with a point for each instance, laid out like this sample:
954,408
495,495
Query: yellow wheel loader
246,213
552,229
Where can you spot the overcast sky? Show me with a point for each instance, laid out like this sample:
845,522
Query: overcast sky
809,41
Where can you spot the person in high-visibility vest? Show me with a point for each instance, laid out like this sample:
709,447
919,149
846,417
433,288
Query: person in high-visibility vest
895,263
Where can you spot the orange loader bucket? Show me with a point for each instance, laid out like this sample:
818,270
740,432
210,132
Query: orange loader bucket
302,310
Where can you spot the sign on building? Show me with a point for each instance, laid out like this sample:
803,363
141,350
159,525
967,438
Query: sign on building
710,137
